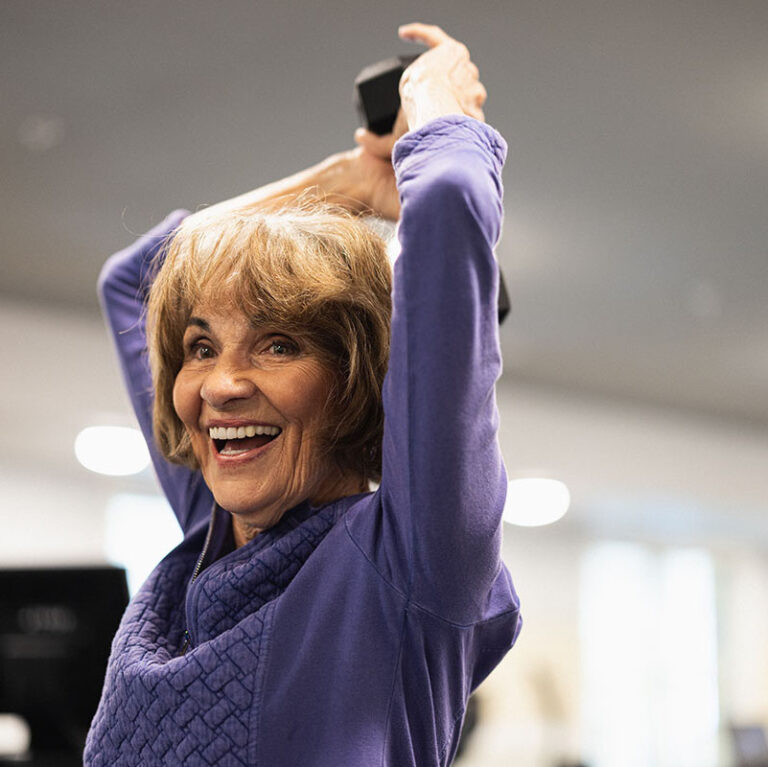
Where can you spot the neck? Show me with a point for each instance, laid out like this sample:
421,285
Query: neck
341,486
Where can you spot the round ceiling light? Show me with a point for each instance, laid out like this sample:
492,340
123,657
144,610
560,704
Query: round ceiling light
535,501
114,450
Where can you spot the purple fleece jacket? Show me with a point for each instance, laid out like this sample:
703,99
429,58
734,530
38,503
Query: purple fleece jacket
349,635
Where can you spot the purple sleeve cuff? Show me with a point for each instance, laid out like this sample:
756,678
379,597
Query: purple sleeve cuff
447,132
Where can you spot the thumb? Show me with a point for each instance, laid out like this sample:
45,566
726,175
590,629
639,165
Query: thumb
380,146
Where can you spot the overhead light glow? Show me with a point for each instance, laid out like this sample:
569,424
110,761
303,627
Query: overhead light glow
535,501
114,450
39,133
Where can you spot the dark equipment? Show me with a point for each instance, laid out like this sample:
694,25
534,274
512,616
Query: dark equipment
377,93
56,628
377,99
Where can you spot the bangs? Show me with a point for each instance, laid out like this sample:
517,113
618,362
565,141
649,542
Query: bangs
268,267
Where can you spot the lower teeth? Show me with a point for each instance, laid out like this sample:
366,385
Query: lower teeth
236,446
232,451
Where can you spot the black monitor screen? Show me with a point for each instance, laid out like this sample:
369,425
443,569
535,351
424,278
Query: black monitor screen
56,629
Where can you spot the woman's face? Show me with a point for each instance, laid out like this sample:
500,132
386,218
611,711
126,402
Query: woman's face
253,402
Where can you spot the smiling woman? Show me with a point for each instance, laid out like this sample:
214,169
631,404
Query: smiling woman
280,322
237,377
306,620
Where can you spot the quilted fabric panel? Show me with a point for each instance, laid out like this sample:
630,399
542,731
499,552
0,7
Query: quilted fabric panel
161,708
230,590
200,708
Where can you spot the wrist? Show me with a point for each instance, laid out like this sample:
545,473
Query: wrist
343,180
332,174
425,99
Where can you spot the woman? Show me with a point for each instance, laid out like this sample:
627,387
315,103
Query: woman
306,620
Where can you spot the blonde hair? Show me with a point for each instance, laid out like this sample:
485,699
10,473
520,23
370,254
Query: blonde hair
311,269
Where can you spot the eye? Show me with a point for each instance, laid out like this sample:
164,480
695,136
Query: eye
282,347
202,351
199,349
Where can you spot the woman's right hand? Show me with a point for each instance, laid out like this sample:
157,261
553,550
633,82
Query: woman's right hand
370,179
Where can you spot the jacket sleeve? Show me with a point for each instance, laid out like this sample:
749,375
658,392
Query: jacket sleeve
123,287
443,482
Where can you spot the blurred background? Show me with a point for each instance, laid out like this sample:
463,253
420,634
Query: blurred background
635,251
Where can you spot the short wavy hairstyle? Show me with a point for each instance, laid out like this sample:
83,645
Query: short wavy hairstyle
310,269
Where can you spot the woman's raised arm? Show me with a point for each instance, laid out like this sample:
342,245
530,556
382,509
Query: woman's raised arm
443,482
123,287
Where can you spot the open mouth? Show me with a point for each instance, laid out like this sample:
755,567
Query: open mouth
230,440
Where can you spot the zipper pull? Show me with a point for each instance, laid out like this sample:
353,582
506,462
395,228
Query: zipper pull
187,642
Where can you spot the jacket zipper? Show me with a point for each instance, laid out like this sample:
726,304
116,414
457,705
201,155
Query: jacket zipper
198,567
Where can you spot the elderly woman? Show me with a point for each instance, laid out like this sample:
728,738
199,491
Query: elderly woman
306,620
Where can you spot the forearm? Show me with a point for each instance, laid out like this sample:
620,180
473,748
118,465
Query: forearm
425,100
331,181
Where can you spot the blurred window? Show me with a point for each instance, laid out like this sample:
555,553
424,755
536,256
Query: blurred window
649,657
139,531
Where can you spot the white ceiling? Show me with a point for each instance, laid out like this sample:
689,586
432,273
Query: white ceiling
636,235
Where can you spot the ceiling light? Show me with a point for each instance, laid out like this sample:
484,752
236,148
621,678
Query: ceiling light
535,501
114,450
39,133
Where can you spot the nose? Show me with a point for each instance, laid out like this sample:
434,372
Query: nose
227,382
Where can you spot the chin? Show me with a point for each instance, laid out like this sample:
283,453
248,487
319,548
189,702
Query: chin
243,508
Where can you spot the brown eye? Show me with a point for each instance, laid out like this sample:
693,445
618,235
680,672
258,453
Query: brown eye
281,347
202,351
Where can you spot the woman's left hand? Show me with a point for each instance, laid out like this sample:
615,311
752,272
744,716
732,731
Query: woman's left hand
442,81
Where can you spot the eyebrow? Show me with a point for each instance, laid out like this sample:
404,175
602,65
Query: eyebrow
199,322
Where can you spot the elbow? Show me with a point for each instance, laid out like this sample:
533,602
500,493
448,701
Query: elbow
458,192
103,281
108,279
125,272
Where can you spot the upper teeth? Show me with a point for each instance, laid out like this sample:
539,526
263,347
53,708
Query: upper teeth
231,432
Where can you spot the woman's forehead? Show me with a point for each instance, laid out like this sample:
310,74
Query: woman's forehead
212,312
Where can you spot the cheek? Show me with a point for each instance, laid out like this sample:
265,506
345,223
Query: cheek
317,407
302,394
185,400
